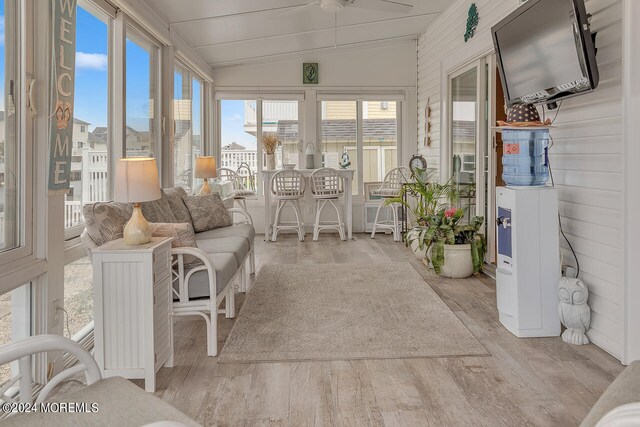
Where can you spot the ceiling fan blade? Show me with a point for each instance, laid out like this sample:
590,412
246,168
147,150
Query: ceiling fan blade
383,5
297,9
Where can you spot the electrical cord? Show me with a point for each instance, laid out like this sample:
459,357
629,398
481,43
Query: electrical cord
544,114
66,316
553,184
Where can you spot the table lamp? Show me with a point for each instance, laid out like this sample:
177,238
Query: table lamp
136,182
205,168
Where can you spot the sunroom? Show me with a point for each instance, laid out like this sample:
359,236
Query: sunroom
319,212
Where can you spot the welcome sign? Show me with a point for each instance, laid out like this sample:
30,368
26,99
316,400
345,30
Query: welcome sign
63,77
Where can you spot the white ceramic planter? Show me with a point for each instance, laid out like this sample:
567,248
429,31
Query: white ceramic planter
457,261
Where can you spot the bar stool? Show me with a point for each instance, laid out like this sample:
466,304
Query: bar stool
327,186
390,188
287,186
240,192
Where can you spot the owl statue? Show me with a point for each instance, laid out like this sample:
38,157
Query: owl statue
575,314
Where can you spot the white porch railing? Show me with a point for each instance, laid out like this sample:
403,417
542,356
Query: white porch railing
72,213
95,183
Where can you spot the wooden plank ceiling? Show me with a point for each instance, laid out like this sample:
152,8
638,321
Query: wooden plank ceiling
231,32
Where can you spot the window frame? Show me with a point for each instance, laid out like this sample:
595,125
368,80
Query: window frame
362,115
223,95
138,35
189,74
22,35
107,17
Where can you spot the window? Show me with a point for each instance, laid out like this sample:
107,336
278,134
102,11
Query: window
340,136
142,95
376,141
197,115
90,176
281,118
15,323
187,119
380,140
78,299
239,129
12,151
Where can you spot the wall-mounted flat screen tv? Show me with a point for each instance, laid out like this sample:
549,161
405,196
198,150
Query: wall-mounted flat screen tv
546,52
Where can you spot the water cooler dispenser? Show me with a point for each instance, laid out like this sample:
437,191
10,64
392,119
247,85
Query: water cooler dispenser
528,263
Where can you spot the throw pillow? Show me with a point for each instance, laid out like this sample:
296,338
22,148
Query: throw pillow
182,233
158,211
175,196
105,221
208,212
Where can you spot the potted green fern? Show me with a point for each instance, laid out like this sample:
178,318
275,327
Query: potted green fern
426,196
439,236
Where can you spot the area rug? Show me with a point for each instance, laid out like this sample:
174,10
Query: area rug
343,312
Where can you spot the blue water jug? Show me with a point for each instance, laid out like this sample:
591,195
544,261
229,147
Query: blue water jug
525,157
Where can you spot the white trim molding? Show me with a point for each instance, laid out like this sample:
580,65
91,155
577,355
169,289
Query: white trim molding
478,48
631,106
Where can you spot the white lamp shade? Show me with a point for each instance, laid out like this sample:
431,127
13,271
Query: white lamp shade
205,167
137,180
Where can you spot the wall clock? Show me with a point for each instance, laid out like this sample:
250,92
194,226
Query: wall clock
417,162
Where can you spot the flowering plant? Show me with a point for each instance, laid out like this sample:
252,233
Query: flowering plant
444,228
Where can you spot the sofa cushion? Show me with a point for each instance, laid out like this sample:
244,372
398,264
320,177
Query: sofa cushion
208,212
624,389
237,246
225,265
182,233
105,221
239,230
120,403
158,210
175,196
243,193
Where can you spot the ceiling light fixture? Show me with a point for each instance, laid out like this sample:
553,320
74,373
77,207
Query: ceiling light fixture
332,5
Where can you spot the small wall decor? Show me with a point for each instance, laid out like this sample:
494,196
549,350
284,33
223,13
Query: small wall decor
575,314
472,22
427,123
310,73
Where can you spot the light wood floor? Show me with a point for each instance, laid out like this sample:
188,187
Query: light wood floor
538,381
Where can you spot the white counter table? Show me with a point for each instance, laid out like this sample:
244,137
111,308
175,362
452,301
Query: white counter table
345,174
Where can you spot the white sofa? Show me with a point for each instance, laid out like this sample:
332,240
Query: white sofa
204,276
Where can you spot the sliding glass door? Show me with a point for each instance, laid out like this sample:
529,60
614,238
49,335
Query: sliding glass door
470,142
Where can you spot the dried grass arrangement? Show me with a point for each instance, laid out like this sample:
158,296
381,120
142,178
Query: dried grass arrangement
270,142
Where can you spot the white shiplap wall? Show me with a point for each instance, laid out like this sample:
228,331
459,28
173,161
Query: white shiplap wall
586,156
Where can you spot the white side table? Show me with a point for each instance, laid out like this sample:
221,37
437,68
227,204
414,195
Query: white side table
132,299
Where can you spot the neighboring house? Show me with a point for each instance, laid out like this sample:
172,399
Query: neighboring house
234,155
80,136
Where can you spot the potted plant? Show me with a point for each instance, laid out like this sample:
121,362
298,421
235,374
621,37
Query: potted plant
439,238
269,144
426,197
455,250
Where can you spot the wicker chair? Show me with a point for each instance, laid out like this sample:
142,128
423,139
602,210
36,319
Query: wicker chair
327,187
288,187
390,188
240,192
